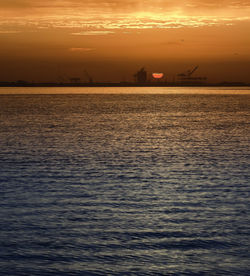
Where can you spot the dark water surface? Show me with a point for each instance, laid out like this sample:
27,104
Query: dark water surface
124,184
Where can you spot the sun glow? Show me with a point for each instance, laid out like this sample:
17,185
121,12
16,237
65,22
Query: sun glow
105,17
103,24
143,32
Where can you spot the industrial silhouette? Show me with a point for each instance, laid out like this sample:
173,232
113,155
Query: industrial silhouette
187,76
89,78
75,80
141,76
140,79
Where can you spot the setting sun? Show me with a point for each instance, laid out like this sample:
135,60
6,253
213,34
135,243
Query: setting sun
124,137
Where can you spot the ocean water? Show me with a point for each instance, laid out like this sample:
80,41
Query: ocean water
154,182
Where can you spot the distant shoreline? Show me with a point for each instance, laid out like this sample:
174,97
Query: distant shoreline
122,84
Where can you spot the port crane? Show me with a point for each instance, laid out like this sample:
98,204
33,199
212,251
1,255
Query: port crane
62,77
188,73
90,79
187,76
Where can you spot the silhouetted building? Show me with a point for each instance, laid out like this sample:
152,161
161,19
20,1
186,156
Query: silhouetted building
75,80
141,76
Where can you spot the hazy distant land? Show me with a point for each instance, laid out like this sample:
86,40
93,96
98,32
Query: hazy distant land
120,84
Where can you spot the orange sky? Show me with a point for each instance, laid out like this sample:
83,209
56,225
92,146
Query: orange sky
44,40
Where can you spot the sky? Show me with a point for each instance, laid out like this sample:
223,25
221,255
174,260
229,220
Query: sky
45,40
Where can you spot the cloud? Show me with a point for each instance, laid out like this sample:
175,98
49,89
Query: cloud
80,49
124,5
9,32
219,3
15,4
105,25
93,33
103,17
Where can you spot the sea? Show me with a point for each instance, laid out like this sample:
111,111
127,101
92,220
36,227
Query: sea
124,181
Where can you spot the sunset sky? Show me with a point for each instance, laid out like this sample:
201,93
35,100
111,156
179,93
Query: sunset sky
45,40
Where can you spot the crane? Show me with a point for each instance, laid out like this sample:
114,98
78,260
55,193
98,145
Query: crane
188,73
188,78
62,77
191,72
90,79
